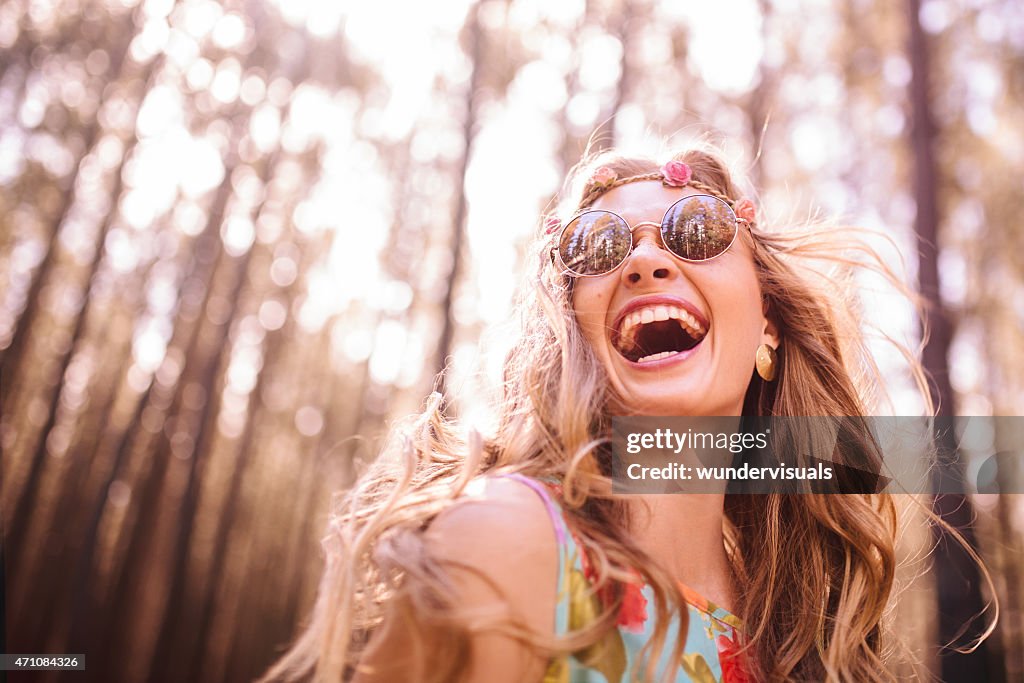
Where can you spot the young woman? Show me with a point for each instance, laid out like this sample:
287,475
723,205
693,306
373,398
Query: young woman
459,558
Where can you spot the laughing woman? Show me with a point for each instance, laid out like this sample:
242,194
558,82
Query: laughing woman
508,558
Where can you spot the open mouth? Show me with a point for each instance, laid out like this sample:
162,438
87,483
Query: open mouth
655,332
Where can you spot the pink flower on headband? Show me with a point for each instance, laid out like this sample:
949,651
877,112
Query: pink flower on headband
745,209
602,177
551,225
676,174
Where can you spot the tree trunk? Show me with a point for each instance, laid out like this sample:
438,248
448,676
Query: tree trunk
34,616
626,21
10,362
146,545
474,38
957,576
759,104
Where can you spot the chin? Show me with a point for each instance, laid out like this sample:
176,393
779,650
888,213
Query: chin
680,400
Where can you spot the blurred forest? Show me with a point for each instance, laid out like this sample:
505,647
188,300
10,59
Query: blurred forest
238,238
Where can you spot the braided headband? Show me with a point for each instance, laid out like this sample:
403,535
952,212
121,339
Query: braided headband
672,174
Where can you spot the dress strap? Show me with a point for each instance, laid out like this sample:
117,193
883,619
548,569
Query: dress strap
554,511
567,552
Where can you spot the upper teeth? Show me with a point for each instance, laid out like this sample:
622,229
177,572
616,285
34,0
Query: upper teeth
649,314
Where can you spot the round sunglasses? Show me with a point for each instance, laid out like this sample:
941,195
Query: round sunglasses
696,228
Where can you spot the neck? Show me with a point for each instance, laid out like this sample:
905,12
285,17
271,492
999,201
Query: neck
683,534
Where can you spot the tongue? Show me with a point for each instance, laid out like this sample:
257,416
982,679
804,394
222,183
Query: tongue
661,339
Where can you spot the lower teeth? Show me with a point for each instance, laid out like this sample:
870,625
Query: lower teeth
657,356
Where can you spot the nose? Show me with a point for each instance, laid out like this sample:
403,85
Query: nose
649,260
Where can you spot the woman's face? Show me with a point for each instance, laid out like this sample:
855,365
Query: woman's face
699,357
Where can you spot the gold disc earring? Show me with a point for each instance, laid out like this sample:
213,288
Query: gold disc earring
765,360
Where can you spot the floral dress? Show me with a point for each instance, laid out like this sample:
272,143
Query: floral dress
712,638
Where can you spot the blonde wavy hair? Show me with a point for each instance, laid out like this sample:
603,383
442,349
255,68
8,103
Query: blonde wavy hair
815,572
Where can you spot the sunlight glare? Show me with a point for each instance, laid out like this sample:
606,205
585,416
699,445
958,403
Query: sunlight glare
726,42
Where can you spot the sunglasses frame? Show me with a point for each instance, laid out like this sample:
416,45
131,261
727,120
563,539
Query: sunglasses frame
557,253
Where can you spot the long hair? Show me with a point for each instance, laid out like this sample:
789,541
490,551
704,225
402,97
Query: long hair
815,571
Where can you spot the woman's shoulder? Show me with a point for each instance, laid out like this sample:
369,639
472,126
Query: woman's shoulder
496,547
499,547
499,521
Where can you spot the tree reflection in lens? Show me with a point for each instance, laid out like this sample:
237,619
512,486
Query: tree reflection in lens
699,228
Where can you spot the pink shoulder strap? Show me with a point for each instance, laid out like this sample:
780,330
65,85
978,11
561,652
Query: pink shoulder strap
554,511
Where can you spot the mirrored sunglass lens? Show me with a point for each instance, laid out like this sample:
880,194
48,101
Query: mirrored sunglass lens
699,228
594,243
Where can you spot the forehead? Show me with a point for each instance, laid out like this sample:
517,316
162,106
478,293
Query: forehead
644,200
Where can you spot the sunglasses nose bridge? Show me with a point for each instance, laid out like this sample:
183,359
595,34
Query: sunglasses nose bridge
649,256
644,232
645,224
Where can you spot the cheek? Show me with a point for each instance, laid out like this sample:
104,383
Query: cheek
739,294
590,304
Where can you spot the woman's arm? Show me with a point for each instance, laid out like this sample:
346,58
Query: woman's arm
500,551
